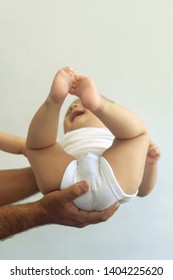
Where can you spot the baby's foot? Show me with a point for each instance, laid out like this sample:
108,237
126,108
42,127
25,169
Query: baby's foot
85,89
62,84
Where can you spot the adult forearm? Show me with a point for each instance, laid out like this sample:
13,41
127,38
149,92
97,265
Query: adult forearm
16,184
54,208
19,218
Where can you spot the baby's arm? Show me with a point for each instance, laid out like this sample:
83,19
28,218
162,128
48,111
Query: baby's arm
150,171
12,144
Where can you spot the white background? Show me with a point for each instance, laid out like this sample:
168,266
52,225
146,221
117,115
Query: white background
127,48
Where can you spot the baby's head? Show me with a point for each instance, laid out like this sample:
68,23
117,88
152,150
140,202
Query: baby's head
78,116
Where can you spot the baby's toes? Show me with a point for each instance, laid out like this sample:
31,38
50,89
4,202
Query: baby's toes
70,71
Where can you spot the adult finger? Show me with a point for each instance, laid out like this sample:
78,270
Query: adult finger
75,191
95,217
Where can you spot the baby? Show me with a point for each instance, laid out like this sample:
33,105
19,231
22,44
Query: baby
104,143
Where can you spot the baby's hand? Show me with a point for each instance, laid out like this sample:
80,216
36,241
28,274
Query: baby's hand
153,154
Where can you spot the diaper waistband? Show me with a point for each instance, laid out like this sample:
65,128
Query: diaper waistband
89,155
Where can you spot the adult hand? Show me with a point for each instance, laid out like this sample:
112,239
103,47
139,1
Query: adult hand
54,208
59,208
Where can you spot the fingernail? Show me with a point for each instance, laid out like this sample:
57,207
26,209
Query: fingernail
84,185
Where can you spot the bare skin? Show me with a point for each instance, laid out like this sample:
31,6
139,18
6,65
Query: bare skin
12,144
18,184
150,171
15,219
83,117
54,208
130,132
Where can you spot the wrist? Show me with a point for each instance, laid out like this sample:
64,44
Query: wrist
151,162
42,215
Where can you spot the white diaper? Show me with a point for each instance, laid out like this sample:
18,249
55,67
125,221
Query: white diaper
104,188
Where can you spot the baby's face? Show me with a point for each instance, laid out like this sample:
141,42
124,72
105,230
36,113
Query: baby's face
78,116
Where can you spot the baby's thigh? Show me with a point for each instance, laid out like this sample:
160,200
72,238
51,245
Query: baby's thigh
48,166
127,159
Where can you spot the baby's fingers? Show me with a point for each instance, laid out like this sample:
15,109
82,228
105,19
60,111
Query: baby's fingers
154,151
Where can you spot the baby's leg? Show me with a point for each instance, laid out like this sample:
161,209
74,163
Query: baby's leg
49,165
130,135
127,159
47,157
85,89
44,126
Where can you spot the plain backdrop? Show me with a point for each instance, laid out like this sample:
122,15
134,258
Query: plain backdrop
127,48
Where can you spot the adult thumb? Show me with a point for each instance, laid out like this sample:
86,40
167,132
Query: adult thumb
76,190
